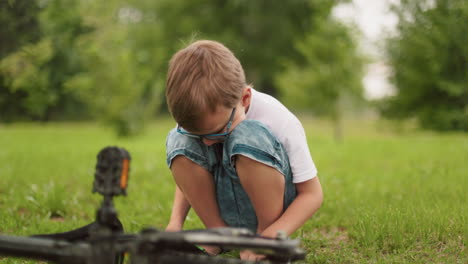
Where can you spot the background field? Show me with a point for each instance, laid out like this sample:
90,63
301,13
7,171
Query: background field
391,195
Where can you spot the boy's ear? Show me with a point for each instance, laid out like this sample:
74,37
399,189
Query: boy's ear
246,96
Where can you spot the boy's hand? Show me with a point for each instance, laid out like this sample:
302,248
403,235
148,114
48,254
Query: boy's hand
250,255
212,250
173,227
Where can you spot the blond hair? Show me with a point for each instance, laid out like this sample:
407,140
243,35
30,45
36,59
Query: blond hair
201,77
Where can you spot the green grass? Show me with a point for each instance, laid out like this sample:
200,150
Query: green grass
391,196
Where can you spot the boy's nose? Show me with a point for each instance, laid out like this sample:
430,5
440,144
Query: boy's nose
209,142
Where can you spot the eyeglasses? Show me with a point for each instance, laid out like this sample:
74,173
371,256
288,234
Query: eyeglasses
216,136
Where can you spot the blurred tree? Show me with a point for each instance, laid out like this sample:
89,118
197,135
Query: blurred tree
429,57
122,83
109,58
89,57
19,20
261,33
22,73
20,26
330,72
38,71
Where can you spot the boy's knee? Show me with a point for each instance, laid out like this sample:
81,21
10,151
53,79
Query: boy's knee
183,162
241,161
259,169
255,141
178,145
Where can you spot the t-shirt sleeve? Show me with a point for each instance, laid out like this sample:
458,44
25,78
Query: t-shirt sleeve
288,129
300,159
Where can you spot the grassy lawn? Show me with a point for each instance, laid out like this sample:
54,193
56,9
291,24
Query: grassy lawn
390,197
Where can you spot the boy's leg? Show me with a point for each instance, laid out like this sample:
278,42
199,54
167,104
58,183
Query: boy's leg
265,187
192,164
197,186
263,184
258,176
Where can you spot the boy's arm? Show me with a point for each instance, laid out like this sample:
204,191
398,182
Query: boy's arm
180,209
308,200
265,187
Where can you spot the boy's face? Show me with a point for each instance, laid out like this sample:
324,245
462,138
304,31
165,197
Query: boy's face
217,122
223,119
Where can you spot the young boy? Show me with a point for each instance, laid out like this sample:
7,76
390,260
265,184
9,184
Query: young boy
238,156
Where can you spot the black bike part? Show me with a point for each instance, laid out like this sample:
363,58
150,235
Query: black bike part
45,249
83,233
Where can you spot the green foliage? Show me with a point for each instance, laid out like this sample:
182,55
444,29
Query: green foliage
38,70
19,20
89,60
121,84
22,71
261,33
108,60
329,73
429,59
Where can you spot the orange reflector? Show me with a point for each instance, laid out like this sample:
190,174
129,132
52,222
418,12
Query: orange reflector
124,175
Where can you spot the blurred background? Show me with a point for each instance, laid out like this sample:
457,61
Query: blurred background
75,60
380,86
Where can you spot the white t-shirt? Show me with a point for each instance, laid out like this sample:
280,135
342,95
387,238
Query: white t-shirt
288,129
